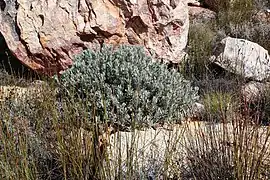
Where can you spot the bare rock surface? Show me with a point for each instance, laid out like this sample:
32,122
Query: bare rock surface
263,16
200,14
151,148
46,34
21,94
243,57
198,110
254,91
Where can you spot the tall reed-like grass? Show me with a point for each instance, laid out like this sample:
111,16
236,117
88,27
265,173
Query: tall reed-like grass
48,138
44,135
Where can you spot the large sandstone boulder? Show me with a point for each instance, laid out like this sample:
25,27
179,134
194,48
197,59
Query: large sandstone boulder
45,34
243,57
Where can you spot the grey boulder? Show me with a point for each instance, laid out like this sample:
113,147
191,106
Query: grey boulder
242,57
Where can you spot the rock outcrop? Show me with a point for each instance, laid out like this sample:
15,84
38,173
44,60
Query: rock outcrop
212,4
201,15
243,57
20,94
46,34
254,91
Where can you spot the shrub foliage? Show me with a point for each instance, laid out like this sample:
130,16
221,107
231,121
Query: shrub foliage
125,87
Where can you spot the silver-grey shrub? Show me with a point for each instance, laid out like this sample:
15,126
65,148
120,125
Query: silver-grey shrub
126,87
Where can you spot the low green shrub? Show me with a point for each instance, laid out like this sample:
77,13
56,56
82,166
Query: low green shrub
127,88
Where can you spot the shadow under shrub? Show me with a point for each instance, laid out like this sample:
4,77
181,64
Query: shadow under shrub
128,88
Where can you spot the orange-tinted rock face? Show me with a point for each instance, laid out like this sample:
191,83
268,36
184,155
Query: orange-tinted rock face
46,34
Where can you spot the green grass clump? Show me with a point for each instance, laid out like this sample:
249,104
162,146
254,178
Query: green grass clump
199,49
236,11
128,88
219,106
233,11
